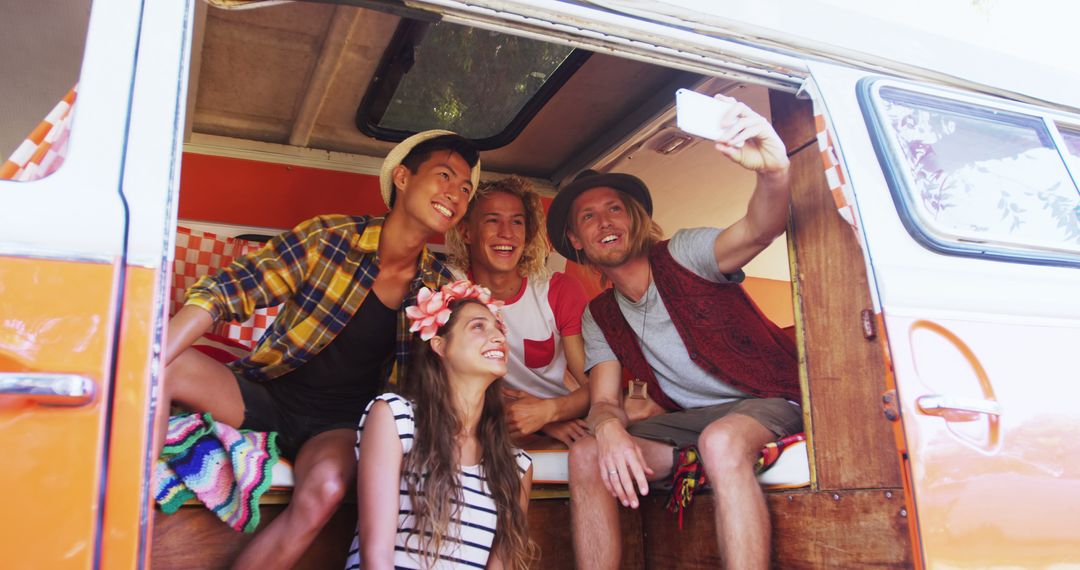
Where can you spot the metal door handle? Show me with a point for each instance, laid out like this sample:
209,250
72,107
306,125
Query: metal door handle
47,389
945,406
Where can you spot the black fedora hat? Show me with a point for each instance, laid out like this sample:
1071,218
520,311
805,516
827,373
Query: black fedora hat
559,211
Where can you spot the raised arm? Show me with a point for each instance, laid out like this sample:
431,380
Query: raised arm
377,489
750,141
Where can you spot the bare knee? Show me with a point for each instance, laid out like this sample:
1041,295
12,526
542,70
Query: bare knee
319,495
722,451
584,459
179,374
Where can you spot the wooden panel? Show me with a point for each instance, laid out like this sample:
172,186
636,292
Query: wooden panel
852,442
845,529
549,526
793,119
194,538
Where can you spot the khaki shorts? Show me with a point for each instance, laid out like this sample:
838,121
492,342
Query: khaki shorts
682,428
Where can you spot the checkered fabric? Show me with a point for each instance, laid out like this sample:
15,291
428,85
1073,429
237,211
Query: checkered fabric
44,150
202,253
837,179
834,172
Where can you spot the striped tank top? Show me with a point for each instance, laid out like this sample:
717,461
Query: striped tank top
468,543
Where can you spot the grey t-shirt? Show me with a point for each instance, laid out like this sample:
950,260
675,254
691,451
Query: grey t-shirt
686,383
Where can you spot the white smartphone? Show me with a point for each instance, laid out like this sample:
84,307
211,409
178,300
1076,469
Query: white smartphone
699,114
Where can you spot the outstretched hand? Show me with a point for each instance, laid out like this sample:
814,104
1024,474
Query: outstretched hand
749,140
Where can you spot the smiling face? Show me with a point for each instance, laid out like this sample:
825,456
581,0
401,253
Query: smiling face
437,194
600,224
474,345
495,233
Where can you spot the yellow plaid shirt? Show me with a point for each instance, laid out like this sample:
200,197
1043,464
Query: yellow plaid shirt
322,271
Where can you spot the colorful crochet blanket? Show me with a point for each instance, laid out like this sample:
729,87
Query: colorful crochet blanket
227,469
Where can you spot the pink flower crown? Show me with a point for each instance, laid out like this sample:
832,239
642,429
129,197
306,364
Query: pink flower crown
432,309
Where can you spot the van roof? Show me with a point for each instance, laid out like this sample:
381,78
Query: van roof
1014,51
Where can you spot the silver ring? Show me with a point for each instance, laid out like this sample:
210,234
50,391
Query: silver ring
612,471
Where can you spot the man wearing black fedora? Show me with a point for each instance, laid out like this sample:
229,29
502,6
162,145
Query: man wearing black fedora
720,379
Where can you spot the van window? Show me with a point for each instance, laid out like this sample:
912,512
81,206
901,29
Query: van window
480,84
39,71
1072,144
975,180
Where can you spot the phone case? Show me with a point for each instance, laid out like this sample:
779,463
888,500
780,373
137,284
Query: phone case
699,114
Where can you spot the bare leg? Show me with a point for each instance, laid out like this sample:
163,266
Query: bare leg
200,384
729,447
594,512
325,468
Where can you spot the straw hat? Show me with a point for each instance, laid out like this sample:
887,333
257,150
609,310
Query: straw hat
399,152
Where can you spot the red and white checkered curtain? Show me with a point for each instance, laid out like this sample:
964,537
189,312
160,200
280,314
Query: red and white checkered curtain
200,253
44,150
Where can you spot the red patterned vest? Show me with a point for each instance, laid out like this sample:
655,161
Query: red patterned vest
724,333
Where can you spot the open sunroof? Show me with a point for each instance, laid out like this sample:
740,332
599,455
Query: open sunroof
483,85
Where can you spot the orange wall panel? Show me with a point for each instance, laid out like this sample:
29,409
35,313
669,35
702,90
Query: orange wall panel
255,193
773,297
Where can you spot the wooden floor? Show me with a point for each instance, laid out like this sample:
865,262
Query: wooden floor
843,529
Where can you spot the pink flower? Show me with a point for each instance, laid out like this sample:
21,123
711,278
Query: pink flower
432,309
458,289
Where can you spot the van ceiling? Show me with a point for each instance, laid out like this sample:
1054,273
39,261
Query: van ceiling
295,74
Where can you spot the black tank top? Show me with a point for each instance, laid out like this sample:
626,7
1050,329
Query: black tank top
338,382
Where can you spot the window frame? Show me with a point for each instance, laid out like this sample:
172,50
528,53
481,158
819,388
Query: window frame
898,176
391,70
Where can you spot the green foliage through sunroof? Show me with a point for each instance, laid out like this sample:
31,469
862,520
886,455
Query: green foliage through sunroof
470,81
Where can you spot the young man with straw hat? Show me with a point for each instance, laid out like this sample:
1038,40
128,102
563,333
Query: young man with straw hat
342,332
720,376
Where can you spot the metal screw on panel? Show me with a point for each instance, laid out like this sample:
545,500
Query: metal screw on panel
903,512
836,496
888,494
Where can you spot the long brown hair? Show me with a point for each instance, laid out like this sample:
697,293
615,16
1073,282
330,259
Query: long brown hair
431,468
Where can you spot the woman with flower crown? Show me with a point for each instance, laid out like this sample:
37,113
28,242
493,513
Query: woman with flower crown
440,485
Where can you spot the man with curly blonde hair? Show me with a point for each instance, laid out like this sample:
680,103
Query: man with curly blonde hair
502,244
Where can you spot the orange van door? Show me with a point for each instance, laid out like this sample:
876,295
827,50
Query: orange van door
970,221
82,253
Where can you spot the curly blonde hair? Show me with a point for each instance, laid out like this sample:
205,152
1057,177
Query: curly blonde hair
533,263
